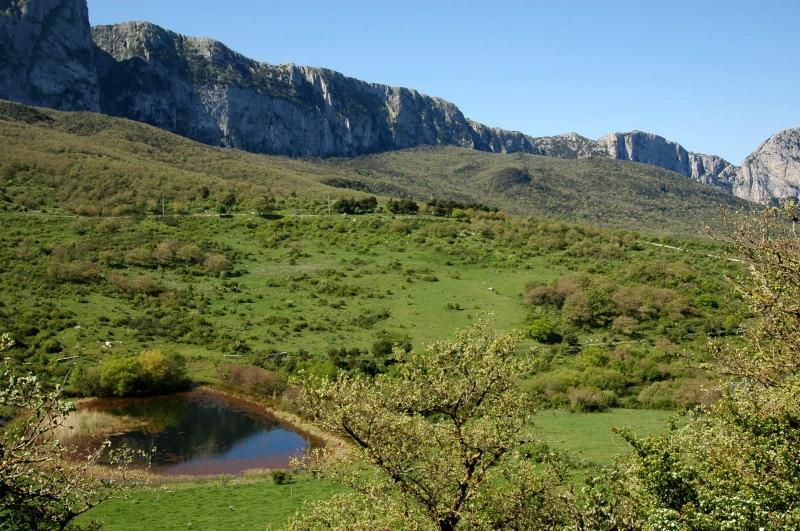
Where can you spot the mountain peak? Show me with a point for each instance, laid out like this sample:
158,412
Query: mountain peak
772,171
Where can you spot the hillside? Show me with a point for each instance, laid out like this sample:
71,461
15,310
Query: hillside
98,165
597,191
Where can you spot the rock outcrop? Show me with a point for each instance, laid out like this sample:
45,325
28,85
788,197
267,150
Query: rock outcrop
47,54
568,146
652,149
201,89
772,171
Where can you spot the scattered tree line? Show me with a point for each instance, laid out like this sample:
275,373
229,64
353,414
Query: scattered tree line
446,207
366,205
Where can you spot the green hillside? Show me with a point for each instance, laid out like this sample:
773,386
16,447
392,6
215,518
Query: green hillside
98,165
597,191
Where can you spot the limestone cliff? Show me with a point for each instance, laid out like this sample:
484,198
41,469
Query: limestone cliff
201,89
47,54
772,171
652,149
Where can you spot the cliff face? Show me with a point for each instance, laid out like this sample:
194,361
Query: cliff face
201,89
47,54
652,149
772,171
568,146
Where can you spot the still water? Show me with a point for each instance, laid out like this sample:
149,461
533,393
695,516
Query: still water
201,433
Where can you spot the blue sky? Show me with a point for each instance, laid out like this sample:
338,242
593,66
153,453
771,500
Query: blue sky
717,76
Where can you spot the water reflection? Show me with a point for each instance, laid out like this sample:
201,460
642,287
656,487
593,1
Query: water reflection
203,432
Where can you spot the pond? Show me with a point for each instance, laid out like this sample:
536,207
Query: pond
195,433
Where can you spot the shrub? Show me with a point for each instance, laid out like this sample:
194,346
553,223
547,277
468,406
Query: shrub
279,477
78,271
151,372
553,385
385,344
189,253
118,376
545,330
658,395
604,379
584,399
216,263
356,206
252,379
402,206
165,251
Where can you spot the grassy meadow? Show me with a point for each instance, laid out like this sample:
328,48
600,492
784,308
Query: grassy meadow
285,293
257,501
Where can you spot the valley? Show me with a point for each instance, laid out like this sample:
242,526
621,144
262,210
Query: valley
244,295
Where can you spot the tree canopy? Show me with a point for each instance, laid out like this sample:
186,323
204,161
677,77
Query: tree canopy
436,446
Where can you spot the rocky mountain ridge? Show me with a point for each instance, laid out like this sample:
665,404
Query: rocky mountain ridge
199,88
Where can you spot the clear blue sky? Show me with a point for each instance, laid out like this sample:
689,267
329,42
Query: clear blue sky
718,76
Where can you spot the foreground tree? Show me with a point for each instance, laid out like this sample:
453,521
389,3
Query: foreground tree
42,486
439,445
736,464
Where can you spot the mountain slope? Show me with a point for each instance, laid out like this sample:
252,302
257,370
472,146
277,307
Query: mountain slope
99,165
598,191
199,88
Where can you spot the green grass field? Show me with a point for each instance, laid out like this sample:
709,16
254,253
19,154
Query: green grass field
93,287
589,436
257,502
211,505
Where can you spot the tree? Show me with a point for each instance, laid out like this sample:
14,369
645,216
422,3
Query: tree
42,484
402,206
437,446
734,464
262,205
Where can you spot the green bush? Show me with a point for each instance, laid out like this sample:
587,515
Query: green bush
658,395
252,379
545,330
585,399
151,372
279,477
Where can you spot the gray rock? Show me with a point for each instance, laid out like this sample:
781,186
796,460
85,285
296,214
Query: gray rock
772,171
652,149
568,146
201,89
47,54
